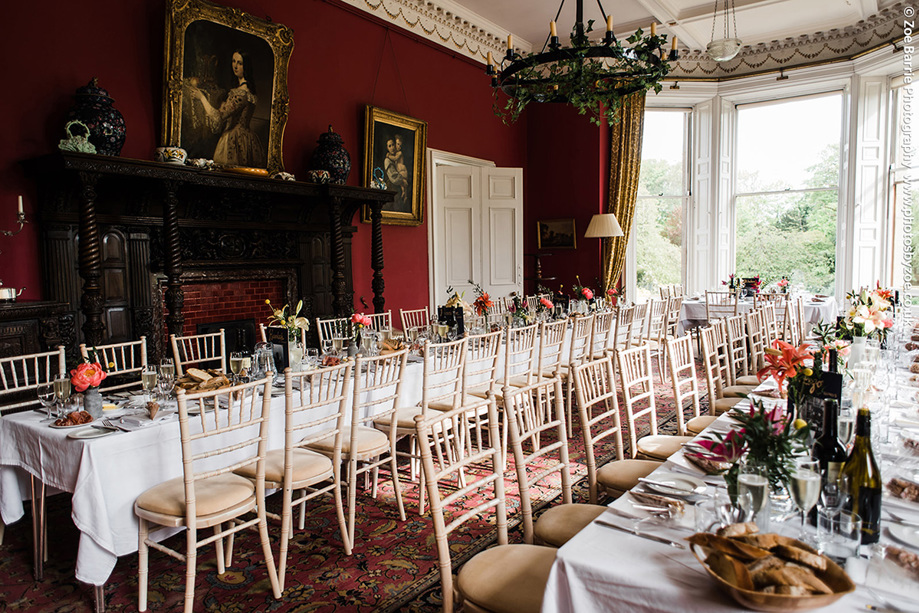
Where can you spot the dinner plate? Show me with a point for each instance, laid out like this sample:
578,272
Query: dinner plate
90,432
52,425
904,534
675,484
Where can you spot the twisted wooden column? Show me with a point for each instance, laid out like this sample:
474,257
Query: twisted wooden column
376,256
337,257
172,259
90,262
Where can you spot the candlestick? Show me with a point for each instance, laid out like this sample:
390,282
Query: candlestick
510,42
653,29
673,46
552,31
20,205
609,23
491,60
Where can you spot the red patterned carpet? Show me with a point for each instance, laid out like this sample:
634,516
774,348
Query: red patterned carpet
393,567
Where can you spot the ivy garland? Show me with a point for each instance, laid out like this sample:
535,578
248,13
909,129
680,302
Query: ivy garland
582,77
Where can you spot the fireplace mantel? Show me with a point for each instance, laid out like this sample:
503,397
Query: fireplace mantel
138,223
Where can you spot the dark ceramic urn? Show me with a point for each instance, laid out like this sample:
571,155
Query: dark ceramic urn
332,156
94,108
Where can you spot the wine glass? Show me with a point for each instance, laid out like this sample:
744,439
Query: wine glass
45,393
328,346
167,367
311,357
805,487
61,392
835,493
368,342
753,479
148,379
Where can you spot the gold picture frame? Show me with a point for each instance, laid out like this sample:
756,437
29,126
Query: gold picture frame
225,84
556,234
394,149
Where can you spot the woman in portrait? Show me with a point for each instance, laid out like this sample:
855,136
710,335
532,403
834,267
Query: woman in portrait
238,144
396,171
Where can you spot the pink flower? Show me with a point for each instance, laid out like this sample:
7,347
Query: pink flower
546,303
87,375
587,293
782,282
730,449
612,292
360,319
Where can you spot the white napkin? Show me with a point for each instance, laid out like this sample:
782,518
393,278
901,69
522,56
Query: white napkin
138,422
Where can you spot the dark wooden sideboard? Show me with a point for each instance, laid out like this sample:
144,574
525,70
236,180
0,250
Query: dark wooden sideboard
34,326
115,232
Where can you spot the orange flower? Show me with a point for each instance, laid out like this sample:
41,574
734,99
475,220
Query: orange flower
87,375
783,361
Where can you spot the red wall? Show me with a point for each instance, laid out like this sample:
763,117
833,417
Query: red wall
51,48
567,176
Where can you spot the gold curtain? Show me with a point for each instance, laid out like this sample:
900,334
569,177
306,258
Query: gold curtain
625,163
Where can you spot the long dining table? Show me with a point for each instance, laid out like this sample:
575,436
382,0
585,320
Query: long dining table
816,310
605,569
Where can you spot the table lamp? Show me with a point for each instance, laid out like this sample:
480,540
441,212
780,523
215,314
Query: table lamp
603,225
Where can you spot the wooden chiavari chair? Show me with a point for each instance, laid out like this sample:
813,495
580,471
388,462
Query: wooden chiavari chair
674,308
720,396
119,359
336,327
200,349
657,333
719,305
414,318
755,342
682,365
604,324
639,324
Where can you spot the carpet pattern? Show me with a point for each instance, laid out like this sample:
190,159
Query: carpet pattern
393,567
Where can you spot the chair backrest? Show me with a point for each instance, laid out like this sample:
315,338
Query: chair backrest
22,374
637,389
657,321
737,346
380,321
676,291
604,324
719,305
625,318
481,370
119,359
803,324
755,340
532,303
581,340
721,345
336,327
682,365
442,381
674,308
598,408
201,349
473,482
536,420
414,318
496,310
639,324
551,347
770,324
263,331
791,326
763,298
520,353
711,364
377,392
222,413
665,292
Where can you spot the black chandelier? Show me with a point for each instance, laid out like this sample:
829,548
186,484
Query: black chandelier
594,77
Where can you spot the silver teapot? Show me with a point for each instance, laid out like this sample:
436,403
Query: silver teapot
9,294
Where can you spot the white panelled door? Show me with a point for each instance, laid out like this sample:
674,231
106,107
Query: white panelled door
477,223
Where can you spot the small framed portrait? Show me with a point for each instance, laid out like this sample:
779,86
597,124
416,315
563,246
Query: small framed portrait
225,85
556,234
394,148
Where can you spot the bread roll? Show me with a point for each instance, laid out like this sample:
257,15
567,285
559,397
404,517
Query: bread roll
730,569
796,554
738,529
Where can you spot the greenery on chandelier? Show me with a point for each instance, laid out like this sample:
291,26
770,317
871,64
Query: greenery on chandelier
595,86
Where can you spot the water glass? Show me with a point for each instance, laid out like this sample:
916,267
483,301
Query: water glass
45,393
753,490
311,357
839,534
328,347
718,511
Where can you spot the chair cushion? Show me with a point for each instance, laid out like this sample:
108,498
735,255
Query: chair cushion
620,476
212,495
559,524
747,380
736,391
726,404
661,446
700,423
507,578
368,440
307,466
405,419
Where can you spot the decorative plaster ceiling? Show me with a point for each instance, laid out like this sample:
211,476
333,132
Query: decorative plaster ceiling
776,33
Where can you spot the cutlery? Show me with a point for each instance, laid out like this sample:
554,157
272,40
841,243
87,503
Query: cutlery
668,486
104,427
644,535
899,519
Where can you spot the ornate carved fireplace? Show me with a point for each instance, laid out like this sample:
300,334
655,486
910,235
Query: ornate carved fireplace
128,243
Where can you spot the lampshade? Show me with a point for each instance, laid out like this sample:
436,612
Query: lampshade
603,225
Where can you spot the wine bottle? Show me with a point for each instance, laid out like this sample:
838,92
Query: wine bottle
864,480
828,451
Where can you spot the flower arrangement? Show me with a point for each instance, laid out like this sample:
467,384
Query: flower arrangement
293,322
582,292
87,375
770,438
359,321
794,365
518,309
782,284
869,314
546,304
482,301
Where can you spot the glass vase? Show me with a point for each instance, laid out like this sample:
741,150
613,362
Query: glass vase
92,402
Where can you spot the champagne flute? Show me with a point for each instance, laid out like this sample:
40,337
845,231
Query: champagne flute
805,487
754,479
61,392
167,367
846,427
46,396
236,365
148,378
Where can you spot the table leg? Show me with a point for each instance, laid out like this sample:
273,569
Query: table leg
38,526
99,591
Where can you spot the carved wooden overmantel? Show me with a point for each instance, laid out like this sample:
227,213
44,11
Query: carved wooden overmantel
114,230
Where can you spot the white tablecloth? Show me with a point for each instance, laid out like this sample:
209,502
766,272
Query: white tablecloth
105,475
693,313
602,569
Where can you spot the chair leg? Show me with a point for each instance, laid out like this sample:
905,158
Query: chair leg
395,483
352,497
266,549
286,523
2,531
38,527
228,562
99,598
302,524
218,545
191,568
142,555
340,512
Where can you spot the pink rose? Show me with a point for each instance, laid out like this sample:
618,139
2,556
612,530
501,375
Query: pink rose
587,293
546,303
87,375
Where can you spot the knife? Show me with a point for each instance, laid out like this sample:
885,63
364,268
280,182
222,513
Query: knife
635,532
668,486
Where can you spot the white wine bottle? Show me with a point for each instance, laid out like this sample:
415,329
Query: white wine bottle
864,480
